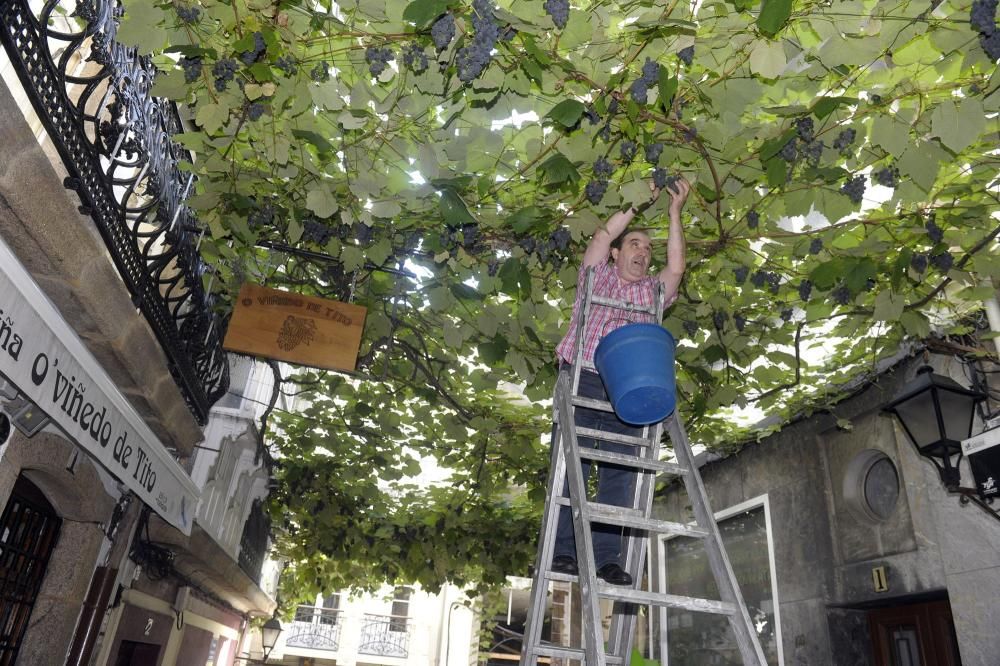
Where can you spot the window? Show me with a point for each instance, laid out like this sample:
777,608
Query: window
331,609
240,372
29,529
400,608
701,638
304,614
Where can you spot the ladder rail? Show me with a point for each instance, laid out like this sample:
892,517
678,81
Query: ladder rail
722,569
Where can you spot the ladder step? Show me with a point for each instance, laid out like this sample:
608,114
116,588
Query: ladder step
613,437
626,517
591,403
632,461
626,595
610,514
623,305
547,650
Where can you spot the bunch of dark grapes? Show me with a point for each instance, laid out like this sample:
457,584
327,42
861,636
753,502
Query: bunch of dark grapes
816,246
613,106
934,231
773,282
741,273
854,189
508,33
813,152
602,168
591,115
918,262
887,177
316,232
786,314
192,69
720,318
560,238
983,19
595,190
686,55
805,290
650,77
363,232
841,295
660,178
805,129
261,217
740,322
639,90
844,140
287,65
689,134
188,14
690,327
789,152
443,31
652,151
758,278
378,59
628,149
224,70
605,133
256,110
259,47
470,235
527,244
414,57
559,11
320,73
493,267
943,261
473,58
753,219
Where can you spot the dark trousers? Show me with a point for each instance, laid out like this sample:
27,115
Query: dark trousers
615,484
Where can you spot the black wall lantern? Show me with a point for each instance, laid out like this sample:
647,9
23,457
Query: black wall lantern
269,636
937,412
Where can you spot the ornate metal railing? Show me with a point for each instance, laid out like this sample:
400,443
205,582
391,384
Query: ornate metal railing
253,543
385,636
93,97
315,628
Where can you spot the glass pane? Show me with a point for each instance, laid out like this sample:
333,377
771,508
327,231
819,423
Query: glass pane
905,647
956,410
696,639
918,415
882,488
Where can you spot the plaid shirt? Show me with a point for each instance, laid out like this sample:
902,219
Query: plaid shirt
603,319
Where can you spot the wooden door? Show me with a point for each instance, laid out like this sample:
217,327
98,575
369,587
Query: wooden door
921,634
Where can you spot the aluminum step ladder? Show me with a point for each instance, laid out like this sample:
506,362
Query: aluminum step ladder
564,471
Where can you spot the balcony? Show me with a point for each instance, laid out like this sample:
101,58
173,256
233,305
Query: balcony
385,636
113,139
315,628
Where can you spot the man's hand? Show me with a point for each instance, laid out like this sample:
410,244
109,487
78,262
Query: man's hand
679,191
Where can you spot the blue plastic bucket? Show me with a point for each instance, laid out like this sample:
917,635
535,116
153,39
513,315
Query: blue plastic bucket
636,363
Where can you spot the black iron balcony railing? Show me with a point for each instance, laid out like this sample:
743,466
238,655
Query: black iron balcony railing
315,628
92,94
385,636
253,543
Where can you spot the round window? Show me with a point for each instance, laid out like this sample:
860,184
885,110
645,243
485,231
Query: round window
871,485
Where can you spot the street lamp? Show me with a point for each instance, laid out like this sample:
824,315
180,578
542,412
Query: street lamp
936,412
269,636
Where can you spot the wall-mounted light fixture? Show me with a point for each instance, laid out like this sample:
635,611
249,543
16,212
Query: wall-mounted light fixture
936,413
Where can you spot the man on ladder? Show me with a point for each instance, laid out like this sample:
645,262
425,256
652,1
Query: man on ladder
582,540
626,278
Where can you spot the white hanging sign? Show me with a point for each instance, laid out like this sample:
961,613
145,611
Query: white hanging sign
45,359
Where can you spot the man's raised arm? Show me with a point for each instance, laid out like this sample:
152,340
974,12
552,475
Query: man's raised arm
672,273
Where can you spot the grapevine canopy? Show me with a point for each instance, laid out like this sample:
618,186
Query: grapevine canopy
452,158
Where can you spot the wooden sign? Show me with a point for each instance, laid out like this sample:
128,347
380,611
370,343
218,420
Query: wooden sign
305,330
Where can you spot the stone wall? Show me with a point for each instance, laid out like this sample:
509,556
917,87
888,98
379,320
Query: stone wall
825,551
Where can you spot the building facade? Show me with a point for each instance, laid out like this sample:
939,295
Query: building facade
133,528
847,545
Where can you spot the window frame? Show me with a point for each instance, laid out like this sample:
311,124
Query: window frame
661,575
